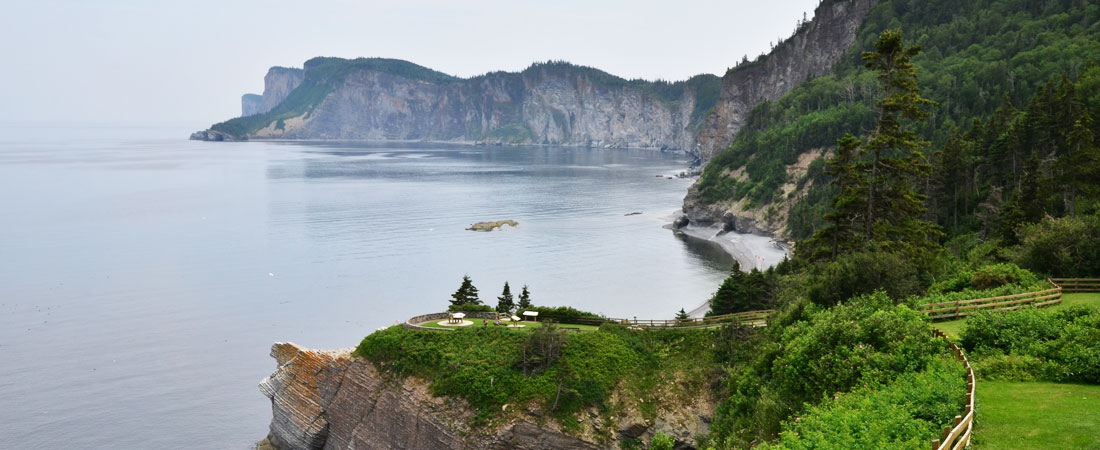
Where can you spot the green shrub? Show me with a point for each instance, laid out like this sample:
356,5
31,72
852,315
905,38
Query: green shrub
1063,247
1001,274
1035,344
862,273
563,314
662,441
903,414
470,308
812,354
985,278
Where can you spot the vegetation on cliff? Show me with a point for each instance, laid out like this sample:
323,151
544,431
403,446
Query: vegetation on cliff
325,74
978,60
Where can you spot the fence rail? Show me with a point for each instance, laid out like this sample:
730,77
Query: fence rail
958,436
962,308
1077,284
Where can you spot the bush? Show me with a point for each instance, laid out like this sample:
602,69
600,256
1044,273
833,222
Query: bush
662,441
862,273
1035,344
470,308
985,278
563,314
814,353
903,414
1063,247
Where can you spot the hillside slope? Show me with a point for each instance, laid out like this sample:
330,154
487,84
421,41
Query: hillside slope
975,55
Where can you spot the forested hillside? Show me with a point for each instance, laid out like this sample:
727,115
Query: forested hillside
1011,139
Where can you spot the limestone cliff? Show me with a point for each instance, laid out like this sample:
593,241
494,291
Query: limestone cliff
251,104
549,103
811,52
332,400
278,84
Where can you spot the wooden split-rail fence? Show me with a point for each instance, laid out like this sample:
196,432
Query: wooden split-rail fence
962,308
958,436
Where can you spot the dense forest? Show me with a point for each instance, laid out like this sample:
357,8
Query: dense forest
1011,79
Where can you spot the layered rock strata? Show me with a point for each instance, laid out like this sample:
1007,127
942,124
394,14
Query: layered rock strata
333,400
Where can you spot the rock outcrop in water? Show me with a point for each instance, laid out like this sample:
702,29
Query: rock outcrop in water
332,400
550,103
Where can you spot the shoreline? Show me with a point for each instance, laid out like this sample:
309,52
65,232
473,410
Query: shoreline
750,250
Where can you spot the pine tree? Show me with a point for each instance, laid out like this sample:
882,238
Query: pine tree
466,293
895,209
1080,167
741,291
842,233
524,299
682,315
504,302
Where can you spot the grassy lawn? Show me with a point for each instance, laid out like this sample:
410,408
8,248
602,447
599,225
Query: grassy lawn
954,327
1033,415
526,325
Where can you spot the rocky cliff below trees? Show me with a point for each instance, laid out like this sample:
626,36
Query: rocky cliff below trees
333,400
549,103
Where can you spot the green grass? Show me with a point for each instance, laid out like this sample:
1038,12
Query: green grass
1037,416
528,325
953,327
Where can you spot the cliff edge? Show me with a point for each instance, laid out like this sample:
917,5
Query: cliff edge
333,400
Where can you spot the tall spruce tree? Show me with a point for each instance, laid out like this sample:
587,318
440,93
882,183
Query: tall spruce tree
1079,168
842,231
896,166
466,293
524,299
505,304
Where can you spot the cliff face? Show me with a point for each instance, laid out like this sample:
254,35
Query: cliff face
251,104
534,107
331,400
809,53
278,83
552,103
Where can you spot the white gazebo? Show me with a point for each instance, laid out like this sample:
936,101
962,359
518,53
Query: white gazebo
532,315
457,317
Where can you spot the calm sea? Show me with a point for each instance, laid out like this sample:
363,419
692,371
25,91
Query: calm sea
144,277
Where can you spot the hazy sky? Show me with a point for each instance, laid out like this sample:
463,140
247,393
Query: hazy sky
190,61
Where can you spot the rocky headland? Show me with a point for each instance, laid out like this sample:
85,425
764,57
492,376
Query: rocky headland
334,400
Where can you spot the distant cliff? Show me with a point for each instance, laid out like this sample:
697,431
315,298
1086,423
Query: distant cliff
548,103
334,401
811,52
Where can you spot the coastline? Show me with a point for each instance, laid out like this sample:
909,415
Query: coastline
750,250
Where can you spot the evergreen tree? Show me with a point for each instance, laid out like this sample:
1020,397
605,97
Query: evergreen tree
466,293
895,209
1079,168
524,299
1028,204
842,233
505,304
682,315
741,292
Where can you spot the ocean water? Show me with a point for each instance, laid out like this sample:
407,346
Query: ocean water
144,277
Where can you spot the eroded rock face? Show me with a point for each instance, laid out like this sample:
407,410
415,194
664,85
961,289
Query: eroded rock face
278,83
251,104
331,400
808,54
533,107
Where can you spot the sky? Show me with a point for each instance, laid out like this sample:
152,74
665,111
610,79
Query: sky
158,61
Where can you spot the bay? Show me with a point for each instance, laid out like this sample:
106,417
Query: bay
143,277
